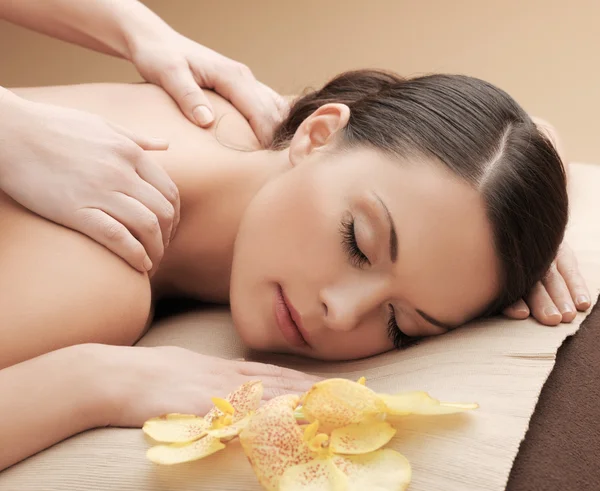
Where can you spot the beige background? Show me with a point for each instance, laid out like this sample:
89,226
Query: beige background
543,52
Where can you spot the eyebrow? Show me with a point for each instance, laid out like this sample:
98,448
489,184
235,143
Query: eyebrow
434,321
393,236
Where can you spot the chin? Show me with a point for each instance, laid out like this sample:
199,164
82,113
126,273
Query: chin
246,331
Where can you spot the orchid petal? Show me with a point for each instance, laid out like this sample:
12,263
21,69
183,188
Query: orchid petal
421,403
316,475
178,453
273,441
244,400
176,428
340,402
381,470
361,438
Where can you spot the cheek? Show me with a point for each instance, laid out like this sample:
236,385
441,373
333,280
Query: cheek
291,229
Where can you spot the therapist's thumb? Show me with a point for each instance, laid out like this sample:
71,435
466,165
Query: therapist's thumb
184,89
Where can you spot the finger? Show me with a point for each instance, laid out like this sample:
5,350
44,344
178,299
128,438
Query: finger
517,310
566,263
250,97
542,307
158,178
263,112
145,142
154,200
141,222
283,105
183,88
113,235
256,369
559,293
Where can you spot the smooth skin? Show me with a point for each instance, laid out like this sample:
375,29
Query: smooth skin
92,175
249,220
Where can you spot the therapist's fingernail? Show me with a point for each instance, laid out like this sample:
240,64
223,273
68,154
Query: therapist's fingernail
551,311
202,115
583,301
147,263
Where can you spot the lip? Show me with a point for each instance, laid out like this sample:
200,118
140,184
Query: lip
288,319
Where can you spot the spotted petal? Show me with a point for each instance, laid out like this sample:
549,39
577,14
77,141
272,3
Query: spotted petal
178,453
176,428
340,402
361,438
273,441
421,403
244,400
381,470
316,475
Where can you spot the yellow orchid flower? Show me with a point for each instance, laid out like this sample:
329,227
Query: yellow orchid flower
286,457
340,448
192,437
337,403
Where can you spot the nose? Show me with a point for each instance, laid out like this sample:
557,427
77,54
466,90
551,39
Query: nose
346,303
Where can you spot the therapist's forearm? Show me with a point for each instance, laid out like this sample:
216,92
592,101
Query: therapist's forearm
109,26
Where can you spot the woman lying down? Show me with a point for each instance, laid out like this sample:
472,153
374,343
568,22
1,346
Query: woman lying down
385,210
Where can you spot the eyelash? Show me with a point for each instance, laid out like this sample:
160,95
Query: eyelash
357,257
399,339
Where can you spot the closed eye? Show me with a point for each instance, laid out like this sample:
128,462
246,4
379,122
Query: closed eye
399,338
356,256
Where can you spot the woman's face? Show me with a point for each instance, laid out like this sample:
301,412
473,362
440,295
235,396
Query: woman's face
336,252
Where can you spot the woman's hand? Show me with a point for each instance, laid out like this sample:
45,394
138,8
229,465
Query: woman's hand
556,298
181,66
87,174
149,382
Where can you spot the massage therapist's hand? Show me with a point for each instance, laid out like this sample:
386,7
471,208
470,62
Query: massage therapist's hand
558,296
181,66
87,174
130,30
148,382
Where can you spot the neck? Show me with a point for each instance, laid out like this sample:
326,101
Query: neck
214,197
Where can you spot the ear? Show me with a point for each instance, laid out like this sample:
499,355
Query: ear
317,131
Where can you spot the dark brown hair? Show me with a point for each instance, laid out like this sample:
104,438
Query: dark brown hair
482,135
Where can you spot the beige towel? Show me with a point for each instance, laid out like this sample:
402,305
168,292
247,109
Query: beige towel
500,364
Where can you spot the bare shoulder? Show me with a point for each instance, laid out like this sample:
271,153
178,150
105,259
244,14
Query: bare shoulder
60,288
148,109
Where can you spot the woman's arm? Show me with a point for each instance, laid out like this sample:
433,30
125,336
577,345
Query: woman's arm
47,399
54,396
59,290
